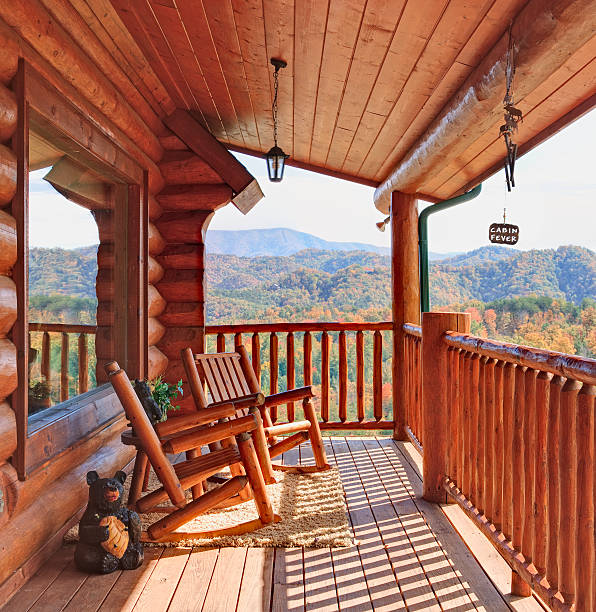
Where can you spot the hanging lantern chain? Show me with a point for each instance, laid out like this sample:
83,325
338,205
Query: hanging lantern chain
274,107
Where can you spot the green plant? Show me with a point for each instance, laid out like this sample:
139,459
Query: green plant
40,390
163,393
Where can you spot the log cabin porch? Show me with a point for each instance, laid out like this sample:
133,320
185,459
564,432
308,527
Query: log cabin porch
408,554
134,108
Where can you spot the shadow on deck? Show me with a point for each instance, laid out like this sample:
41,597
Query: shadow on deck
408,556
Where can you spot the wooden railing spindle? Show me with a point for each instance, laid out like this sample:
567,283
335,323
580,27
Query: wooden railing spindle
83,364
489,433
360,397
221,343
508,466
480,449
273,370
45,356
584,547
541,473
325,376
567,489
473,425
237,339
307,359
256,356
290,373
554,414
377,375
529,462
343,377
518,459
498,456
64,368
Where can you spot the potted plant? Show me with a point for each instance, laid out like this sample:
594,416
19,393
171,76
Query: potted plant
156,397
39,396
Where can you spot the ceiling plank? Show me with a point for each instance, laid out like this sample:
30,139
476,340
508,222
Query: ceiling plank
279,41
486,34
343,26
250,27
138,29
311,22
189,70
102,19
379,24
222,26
409,41
246,189
444,45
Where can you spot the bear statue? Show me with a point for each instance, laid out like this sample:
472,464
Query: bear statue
109,533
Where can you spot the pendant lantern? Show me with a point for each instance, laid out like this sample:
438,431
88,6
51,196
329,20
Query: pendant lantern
276,158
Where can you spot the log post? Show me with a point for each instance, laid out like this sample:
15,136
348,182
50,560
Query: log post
435,398
405,295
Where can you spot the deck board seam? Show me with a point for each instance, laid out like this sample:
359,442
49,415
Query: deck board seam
428,526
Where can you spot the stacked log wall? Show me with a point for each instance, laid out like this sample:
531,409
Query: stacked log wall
34,511
192,193
8,300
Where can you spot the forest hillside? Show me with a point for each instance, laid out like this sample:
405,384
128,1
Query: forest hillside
539,297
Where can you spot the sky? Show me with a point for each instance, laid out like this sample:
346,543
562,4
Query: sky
554,203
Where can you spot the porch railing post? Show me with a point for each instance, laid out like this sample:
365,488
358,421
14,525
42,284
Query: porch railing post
435,398
405,295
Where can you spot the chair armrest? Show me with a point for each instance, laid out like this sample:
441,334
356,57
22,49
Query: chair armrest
293,395
213,413
244,401
207,435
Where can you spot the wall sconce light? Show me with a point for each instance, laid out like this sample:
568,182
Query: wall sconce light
381,224
276,158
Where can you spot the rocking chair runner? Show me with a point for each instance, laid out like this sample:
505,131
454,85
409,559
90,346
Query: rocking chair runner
229,376
176,479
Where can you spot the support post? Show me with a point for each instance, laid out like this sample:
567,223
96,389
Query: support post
405,295
435,398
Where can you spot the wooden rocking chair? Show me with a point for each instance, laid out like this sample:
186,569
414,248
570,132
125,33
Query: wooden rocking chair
229,377
237,450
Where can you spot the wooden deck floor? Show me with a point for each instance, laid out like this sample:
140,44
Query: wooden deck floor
407,556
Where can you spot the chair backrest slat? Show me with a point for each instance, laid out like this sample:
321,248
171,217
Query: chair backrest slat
240,386
208,376
224,377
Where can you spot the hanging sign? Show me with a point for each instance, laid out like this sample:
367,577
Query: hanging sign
503,233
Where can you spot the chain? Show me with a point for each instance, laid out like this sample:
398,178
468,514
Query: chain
274,108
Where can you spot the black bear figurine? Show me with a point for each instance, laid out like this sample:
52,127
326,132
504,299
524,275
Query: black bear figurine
109,534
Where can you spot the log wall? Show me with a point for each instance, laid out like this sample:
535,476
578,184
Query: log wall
8,297
192,193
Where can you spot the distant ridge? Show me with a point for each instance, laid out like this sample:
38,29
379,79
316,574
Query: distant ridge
278,241
282,241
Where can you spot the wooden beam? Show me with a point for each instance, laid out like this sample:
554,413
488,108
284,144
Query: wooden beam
245,187
545,32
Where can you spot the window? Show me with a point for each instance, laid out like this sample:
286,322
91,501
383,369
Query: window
99,316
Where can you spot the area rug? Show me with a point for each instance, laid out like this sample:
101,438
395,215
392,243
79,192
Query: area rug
311,506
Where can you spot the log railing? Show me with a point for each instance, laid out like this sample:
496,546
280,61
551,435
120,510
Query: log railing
513,438
50,332
344,353
413,382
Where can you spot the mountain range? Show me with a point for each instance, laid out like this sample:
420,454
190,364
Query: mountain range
341,281
284,241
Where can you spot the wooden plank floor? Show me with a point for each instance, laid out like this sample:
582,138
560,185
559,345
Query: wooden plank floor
407,556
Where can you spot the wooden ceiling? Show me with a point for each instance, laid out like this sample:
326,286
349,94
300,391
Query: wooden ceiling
365,78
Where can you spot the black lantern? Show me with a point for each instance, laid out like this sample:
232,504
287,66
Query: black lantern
276,158
276,161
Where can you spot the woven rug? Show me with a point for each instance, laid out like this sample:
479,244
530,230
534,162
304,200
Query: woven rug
311,506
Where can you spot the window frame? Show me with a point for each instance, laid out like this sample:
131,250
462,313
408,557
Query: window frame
81,417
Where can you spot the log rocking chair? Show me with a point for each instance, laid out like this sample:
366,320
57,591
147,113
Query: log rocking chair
230,377
236,450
